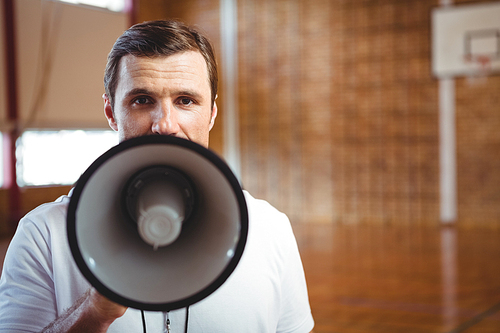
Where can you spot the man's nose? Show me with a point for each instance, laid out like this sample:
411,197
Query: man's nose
166,122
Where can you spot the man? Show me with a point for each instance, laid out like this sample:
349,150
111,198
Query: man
161,78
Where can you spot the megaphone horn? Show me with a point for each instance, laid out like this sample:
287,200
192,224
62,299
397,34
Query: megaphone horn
157,223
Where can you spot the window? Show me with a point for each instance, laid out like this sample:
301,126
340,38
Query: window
59,157
114,5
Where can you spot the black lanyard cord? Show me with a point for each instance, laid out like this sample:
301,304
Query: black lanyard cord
143,322
187,319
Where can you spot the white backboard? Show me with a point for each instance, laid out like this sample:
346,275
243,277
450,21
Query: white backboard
466,40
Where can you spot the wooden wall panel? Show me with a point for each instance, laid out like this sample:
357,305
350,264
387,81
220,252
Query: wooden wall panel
478,150
360,134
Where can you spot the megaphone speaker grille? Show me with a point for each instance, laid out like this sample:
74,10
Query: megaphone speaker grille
110,251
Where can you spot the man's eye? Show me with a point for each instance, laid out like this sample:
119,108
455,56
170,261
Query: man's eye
141,100
186,101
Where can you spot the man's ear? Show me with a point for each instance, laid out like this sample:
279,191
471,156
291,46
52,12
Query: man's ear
108,112
212,118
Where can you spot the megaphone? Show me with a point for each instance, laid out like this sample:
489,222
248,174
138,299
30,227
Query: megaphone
157,223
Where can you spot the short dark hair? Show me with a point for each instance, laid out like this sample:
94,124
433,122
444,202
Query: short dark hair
158,38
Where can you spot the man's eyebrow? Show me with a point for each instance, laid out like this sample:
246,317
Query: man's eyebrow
138,91
187,92
190,93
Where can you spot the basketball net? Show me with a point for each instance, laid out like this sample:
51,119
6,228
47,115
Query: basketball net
480,65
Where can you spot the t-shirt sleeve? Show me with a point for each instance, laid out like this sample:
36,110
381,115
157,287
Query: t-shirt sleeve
27,301
295,314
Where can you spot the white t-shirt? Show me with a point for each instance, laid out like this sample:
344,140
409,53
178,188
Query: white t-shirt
266,293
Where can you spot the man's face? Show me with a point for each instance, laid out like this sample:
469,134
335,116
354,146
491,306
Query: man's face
167,95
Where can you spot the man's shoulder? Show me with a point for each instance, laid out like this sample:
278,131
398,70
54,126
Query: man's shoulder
261,207
48,213
266,218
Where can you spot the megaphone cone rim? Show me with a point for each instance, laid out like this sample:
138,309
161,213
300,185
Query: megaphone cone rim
151,140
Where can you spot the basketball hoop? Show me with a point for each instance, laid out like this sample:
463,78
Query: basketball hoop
480,64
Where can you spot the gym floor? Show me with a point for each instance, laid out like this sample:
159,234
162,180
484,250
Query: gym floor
402,279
